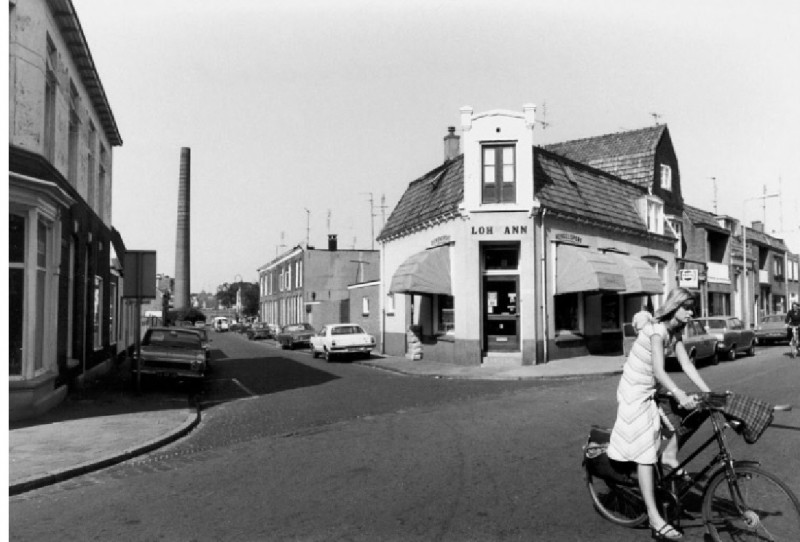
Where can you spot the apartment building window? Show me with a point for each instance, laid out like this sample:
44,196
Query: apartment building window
104,210
98,313
777,269
666,177
499,174
365,306
50,88
74,135
90,169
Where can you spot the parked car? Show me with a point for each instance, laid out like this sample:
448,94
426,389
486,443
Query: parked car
772,329
731,335
295,335
205,340
340,339
260,330
172,352
699,344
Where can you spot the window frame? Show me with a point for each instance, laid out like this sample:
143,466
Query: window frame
666,177
499,190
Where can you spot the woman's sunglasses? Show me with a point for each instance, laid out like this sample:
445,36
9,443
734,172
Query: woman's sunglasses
688,305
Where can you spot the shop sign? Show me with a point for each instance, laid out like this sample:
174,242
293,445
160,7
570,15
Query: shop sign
502,230
569,238
441,240
688,278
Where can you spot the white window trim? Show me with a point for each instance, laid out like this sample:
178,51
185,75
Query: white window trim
666,177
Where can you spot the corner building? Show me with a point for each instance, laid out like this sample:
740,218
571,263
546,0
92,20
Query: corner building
512,254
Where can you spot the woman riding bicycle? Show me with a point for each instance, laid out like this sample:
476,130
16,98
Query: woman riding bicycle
793,322
637,431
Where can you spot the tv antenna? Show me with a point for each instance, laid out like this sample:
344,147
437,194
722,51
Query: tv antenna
656,118
308,226
371,219
544,122
714,180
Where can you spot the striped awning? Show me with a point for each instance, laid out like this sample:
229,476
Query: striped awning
426,272
580,269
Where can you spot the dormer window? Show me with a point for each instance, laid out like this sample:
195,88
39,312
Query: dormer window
651,209
499,174
666,177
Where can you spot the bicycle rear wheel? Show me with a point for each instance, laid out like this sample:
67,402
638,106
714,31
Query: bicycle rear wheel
620,504
770,511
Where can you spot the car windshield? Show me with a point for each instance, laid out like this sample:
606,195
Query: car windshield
171,339
346,330
773,319
715,324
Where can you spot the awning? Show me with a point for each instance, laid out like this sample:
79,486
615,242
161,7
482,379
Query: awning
581,269
640,277
426,272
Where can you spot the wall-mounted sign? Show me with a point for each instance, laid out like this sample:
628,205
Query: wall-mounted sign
688,278
502,230
441,240
569,238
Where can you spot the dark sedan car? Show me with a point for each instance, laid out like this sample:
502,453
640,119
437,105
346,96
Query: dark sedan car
772,329
295,335
172,352
699,344
260,330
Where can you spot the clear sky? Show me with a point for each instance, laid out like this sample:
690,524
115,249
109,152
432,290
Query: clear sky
298,112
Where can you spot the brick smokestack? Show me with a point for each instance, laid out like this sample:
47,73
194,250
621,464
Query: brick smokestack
332,242
452,147
181,296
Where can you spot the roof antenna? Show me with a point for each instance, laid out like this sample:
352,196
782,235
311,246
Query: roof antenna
714,179
656,118
544,122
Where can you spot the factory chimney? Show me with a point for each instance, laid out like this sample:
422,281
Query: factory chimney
182,255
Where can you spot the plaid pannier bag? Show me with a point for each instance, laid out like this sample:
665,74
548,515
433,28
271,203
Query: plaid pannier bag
600,465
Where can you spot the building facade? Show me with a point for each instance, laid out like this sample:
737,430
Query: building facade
514,254
311,285
66,318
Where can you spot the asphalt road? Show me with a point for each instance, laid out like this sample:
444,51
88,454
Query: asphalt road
296,449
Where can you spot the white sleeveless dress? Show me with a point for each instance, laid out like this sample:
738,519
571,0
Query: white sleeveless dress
637,429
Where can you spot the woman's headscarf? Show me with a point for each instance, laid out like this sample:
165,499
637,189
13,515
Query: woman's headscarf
675,299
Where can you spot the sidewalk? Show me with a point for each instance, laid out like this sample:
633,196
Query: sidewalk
108,423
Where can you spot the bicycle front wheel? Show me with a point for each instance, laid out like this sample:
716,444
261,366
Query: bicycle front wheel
620,504
754,506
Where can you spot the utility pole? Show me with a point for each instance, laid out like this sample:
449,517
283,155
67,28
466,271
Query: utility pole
383,210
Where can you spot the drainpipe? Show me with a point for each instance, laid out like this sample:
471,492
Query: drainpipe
543,273
382,290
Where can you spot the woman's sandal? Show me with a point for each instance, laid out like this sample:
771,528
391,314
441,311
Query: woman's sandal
666,532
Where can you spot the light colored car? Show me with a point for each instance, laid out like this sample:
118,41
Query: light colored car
221,323
340,339
731,335
699,344
172,352
772,329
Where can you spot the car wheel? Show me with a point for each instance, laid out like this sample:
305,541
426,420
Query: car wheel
732,353
314,353
714,359
752,350
328,355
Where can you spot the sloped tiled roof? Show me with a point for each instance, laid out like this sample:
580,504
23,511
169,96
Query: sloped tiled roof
703,219
432,198
573,189
629,155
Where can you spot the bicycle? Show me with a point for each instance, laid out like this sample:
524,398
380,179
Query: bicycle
793,342
739,500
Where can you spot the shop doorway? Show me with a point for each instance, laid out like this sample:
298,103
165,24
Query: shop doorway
501,314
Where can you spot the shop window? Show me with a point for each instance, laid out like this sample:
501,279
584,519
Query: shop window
501,258
499,174
42,253
609,312
16,280
98,313
446,314
566,312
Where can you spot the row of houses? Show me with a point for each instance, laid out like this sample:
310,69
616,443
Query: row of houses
67,317
513,253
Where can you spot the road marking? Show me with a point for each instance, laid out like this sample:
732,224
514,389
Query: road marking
235,381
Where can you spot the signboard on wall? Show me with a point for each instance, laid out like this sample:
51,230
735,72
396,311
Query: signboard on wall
688,278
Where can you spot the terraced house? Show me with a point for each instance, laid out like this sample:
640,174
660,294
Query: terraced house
511,253
64,279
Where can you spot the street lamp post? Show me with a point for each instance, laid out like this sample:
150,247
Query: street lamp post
746,296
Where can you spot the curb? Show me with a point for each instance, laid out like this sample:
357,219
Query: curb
90,466
499,376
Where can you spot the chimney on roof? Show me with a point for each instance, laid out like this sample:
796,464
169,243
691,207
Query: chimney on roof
451,144
332,243
758,226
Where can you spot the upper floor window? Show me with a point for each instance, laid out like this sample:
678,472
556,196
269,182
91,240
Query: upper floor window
50,85
655,216
666,177
676,225
778,266
498,174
